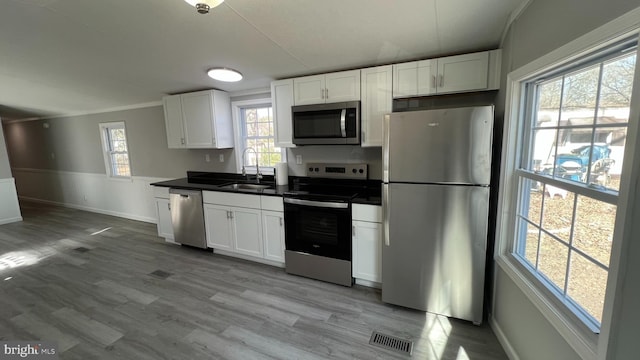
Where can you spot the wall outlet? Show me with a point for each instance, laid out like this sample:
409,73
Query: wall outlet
221,157
207,158
84,198
299,159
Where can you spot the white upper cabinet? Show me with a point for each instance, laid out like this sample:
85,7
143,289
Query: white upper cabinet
377,99
281,103
327,88
453,74
202,121
173,121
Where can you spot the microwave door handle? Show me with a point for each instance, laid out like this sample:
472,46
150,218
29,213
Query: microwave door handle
343,122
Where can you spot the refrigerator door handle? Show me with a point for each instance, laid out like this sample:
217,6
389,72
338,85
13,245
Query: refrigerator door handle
385,212
385,149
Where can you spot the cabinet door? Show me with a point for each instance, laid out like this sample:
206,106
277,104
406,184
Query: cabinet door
217,220
376,102
463,72
247,231
281,102
367,251
163,211
405,79
427,77
309,90
221,121
342,86
173,121
273,235
197,111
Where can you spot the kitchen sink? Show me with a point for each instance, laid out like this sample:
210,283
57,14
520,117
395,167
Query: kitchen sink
245,186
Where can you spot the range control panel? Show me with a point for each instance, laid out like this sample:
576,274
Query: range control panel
337,171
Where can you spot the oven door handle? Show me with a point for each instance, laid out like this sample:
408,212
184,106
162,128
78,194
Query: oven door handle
322,204
343,122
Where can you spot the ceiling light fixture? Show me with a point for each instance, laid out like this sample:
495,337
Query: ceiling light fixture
203,6
224,74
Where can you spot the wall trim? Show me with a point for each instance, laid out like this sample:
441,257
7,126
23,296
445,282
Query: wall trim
512,17
10,220
503,340
91,112
91,209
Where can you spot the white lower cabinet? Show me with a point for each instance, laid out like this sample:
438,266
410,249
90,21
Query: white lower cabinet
165,228
367,243
247,231
163,212
218,227
273,235
245,225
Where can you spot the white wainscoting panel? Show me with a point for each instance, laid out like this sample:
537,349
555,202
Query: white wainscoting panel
128,198
9,207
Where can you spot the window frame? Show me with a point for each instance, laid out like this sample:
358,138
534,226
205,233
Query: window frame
106,149
238,107
578,335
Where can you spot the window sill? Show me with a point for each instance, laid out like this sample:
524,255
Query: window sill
583,342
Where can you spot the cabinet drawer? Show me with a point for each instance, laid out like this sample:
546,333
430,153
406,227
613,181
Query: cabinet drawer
230,199
372,213
272,203
161,192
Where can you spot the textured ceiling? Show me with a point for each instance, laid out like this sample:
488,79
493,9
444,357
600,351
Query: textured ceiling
72,56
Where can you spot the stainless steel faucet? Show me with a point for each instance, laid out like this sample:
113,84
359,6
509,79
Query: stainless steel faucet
244,171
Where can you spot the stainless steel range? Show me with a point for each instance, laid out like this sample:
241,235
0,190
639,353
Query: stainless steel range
318,221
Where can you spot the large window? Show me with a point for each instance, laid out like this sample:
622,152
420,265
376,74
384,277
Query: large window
116,151
571,157
255,131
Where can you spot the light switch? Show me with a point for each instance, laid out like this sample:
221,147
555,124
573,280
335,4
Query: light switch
221,157
299,159
207,158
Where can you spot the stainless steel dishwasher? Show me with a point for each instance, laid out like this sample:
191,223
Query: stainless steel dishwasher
187,217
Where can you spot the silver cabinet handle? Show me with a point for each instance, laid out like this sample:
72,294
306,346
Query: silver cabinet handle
441,80
280,222
322,93
169,206
327,93
230,214
321,204
353,231
433,81
182,141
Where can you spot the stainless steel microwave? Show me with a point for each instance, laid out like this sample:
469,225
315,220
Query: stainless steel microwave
326,124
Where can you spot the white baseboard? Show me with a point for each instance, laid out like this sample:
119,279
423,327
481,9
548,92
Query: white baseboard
502,338
10,220
249,258
367,283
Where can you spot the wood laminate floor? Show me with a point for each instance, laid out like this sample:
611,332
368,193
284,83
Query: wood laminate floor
86,282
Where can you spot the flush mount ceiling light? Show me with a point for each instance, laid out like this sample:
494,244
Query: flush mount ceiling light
203,6
224,74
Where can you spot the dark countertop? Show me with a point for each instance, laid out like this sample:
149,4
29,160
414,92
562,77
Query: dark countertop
213,182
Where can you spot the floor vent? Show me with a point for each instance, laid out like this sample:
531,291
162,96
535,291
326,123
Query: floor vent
161,274
81,249
391,343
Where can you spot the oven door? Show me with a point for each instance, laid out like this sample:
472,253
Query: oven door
318,227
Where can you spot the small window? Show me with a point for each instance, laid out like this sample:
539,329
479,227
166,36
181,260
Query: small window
256,131
116,150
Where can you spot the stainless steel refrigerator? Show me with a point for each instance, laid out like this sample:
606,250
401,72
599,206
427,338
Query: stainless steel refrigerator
436,174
